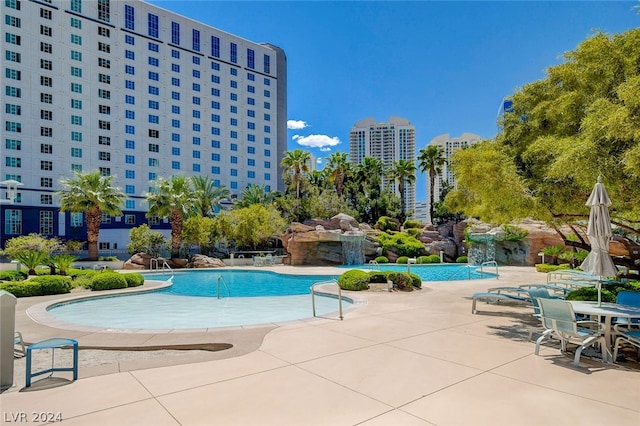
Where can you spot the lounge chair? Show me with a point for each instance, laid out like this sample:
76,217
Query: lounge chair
496,297
629,337
559,319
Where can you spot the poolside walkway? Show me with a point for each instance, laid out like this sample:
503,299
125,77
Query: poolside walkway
417,358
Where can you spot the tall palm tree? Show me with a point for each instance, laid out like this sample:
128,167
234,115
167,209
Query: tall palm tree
370,171
207,195
176,200
431,160
93,194
338,168
403,172
296,162
255,194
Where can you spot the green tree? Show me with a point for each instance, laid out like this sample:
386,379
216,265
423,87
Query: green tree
253,226
92,194
255,194
31,250
200,231
403,172
295,163
431,160
175,199
207,195
144,240
62,262
338,168
582,120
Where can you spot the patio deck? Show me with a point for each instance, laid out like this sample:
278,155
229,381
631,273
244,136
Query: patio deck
417,358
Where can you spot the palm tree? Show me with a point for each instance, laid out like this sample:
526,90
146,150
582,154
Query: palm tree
176,200
403,172
93,194
431,160
296,162
338,168
255,194
207,195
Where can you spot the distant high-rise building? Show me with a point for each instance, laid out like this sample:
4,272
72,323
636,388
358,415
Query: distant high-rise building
388,142
449,146
136,92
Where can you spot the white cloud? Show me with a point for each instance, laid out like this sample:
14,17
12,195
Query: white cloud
316,141
325,149
296,124
319,161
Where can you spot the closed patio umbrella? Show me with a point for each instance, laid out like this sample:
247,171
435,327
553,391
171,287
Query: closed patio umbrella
598,262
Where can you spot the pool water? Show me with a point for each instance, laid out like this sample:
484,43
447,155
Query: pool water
247,298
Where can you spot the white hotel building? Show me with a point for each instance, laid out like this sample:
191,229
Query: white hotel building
136,92
388,142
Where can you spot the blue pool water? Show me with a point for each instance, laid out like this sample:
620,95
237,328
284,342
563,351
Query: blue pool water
247,298
435,272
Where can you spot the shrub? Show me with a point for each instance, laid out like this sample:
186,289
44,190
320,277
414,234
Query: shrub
385,223
354,279
416,280
432,258
401,280
410,223
108,281
108,258
53,284
134,279
400,243
82,281
378,277
414,232
12,275
403,260
26,288
75,273
382,259
421,260
545,267
591,293
514,233
462,259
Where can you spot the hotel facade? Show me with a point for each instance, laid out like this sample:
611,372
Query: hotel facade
138,93
388,142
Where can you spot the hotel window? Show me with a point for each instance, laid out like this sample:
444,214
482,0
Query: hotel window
129,144
46,148
215,47
46,199
251,63
46,182
46,98
130,219
152,25
153,162
76,152
154,119
175,151
76,23
196,61
175,137
46,65
154,133
45,31
175,96
104,125
130,99
76,168
76,88
153,90
76,104
154,76
76,39
175,54
104,47
76,72
104,171
15,92
104,109
12,4
46,115
46,165
104,156
129,54
267,82
154,47
175,123
12,56
12,38
128,69
104,12
267,64
76,6
76,136
104,32
153,147
130,115
104,94
175,67
130,84
130,174
105,219
76,56
234,53
175,165
175,81
12,21
76,220
154,105
175,33
13,144
129,17
47,132
12,126
104,78
46,47
104,63
13,162
130,159
104,140
45,13
196,40
129,40
13,221
46,222
76,119
196,73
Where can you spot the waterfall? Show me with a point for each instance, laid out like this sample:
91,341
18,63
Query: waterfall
482,248
352,247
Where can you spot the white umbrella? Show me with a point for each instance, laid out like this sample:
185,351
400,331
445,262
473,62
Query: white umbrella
598,262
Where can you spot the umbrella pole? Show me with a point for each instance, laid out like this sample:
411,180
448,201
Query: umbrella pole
600,292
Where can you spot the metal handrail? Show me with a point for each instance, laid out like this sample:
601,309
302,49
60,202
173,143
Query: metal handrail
467,267
487,263
166,265
153,261
220,279
313,300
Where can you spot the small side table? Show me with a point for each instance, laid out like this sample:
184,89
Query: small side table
53,344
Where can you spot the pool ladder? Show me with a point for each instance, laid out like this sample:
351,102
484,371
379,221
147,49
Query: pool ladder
490,263
221,280
155,264
313,300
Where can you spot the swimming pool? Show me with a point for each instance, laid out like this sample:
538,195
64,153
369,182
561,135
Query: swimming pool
434,272
246,298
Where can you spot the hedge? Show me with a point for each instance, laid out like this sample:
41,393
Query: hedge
108,281
378,277
403,260
12,275
134,279
53,284
354,280
382,259
462,259
401,280
22,288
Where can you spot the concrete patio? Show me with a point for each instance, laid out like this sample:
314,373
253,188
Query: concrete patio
418,358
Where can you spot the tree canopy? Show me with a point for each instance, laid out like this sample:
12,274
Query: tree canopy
581,121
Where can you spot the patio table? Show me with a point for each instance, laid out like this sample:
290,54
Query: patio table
606,312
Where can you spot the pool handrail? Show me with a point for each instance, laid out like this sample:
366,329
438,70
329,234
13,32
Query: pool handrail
313,300
490,263
220,279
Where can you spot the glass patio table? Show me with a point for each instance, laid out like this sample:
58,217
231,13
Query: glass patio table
606,313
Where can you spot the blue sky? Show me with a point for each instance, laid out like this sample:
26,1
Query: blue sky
445,66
